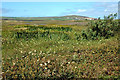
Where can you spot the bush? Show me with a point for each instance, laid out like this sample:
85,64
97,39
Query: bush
101,28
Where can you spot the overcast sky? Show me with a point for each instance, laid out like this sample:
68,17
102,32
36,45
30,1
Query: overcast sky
47,9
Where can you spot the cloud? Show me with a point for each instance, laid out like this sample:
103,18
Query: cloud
108,7
73,11
81,10
97,9
111,9
105,10
5,10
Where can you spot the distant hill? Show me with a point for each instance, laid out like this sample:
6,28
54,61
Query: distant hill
68,17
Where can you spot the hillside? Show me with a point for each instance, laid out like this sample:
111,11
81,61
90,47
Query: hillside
69,17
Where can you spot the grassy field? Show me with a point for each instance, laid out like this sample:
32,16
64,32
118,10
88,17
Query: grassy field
56,51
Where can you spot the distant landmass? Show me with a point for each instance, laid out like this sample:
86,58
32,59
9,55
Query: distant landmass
68,17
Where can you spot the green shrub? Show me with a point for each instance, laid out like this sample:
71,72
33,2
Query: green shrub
101,28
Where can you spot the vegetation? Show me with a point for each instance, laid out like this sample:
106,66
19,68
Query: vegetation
61,51
102,28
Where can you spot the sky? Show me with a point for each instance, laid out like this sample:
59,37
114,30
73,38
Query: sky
59,0
49,9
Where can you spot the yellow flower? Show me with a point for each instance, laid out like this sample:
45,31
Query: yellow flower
33,75
23,76
15,76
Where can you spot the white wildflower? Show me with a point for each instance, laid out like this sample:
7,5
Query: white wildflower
21,51
37,60
48,61
75,67
32,53
35,51
45,63
41,64
68,62
45,67
13,63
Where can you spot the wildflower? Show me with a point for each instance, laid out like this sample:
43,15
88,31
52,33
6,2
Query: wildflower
45,67
21,51
15,76
13,63
73,62
33,75
40,51
68,62
41,64
37,60
30,52
48,61
7,71
45,63
75,67
35,51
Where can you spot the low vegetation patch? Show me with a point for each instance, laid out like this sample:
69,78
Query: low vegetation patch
61,51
